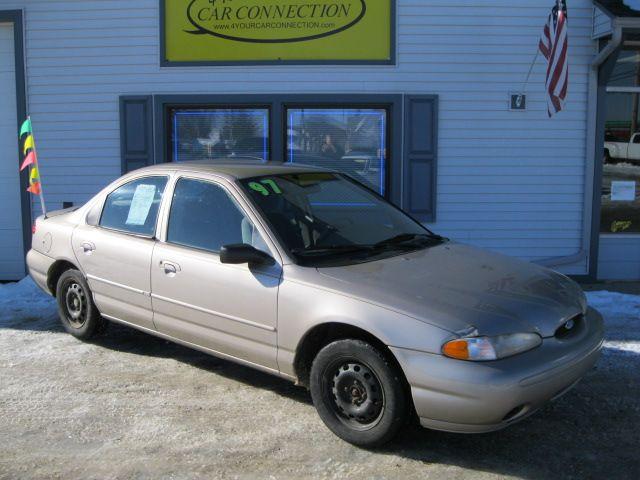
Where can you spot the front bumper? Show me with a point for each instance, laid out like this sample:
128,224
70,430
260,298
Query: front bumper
475,397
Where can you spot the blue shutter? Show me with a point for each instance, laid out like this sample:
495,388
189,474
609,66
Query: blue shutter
136,132
420,156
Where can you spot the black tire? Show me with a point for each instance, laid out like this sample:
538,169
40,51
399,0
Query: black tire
358,393
607,158
78,313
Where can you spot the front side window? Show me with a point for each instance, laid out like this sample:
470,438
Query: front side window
216,133
133,207
204,216
348,140
326,219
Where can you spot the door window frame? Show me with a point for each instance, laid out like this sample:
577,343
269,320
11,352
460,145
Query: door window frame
234,193
103,201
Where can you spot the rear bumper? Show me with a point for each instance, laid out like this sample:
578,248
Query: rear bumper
474,397
38,265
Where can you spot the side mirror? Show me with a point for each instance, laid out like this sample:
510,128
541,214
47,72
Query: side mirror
242,253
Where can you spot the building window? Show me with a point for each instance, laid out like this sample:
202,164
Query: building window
216,133
388,142
348,140
620,212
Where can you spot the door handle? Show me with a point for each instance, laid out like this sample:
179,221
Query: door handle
88,248
170,268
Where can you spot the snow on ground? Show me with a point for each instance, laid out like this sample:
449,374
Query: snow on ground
24,301
621,313
129,405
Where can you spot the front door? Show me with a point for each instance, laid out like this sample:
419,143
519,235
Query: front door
230,309
116,253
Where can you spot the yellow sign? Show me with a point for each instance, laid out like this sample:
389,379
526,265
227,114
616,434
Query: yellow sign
324,31
620,226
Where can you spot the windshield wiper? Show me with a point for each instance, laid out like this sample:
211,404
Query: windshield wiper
404,240
332,249
410,240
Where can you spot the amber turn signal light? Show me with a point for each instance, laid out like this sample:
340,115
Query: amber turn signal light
456,349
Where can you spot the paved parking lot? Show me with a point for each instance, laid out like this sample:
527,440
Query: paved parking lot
133,406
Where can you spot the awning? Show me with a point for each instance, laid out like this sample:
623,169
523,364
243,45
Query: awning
611,17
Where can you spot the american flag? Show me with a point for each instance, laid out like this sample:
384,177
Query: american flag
553,45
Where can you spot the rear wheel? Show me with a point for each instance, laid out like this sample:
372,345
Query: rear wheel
78,313
358,393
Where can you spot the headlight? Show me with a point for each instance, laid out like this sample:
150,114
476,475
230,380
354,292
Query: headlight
482,349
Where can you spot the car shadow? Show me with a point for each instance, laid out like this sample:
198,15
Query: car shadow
32,323
125,339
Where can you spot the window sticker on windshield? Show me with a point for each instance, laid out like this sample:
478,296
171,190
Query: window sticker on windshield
141,204
265,187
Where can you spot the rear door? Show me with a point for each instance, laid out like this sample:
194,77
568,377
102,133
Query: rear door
230,309
115,254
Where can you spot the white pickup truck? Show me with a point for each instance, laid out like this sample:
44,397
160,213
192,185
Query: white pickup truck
616,150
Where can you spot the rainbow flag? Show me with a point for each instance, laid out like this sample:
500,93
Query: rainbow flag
31,160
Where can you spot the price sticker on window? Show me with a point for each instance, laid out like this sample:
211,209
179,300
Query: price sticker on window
141,204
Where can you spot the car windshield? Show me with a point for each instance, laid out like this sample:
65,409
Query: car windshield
327,219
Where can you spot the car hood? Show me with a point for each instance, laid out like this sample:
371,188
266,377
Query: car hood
459,287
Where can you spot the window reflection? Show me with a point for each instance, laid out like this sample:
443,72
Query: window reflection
219,133
620,212
626,72
352,141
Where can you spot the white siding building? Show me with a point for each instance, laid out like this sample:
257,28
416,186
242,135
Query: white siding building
515,182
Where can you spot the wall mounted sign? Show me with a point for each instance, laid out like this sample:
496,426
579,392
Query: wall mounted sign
517,101
201,32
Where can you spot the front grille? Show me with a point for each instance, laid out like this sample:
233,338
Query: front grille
570,328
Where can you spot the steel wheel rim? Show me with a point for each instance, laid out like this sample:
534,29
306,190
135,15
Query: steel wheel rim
75,303
355,394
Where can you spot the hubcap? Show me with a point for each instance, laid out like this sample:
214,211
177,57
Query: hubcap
76,305
358,399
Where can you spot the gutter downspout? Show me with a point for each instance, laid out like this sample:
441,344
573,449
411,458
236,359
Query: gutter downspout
600,58
616,40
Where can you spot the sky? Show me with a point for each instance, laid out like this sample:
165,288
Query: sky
633,4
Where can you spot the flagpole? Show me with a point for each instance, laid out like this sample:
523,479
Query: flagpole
526,80
35,151
535,58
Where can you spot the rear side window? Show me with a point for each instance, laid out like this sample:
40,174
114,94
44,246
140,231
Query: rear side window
133,207
204,216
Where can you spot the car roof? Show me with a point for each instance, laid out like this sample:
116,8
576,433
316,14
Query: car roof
235,168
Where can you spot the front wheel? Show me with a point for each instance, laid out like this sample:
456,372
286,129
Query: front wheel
78,313
358,393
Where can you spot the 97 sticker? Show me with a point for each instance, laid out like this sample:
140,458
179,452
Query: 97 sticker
261,187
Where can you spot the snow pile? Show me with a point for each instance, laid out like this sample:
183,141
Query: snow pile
24,306
621,314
